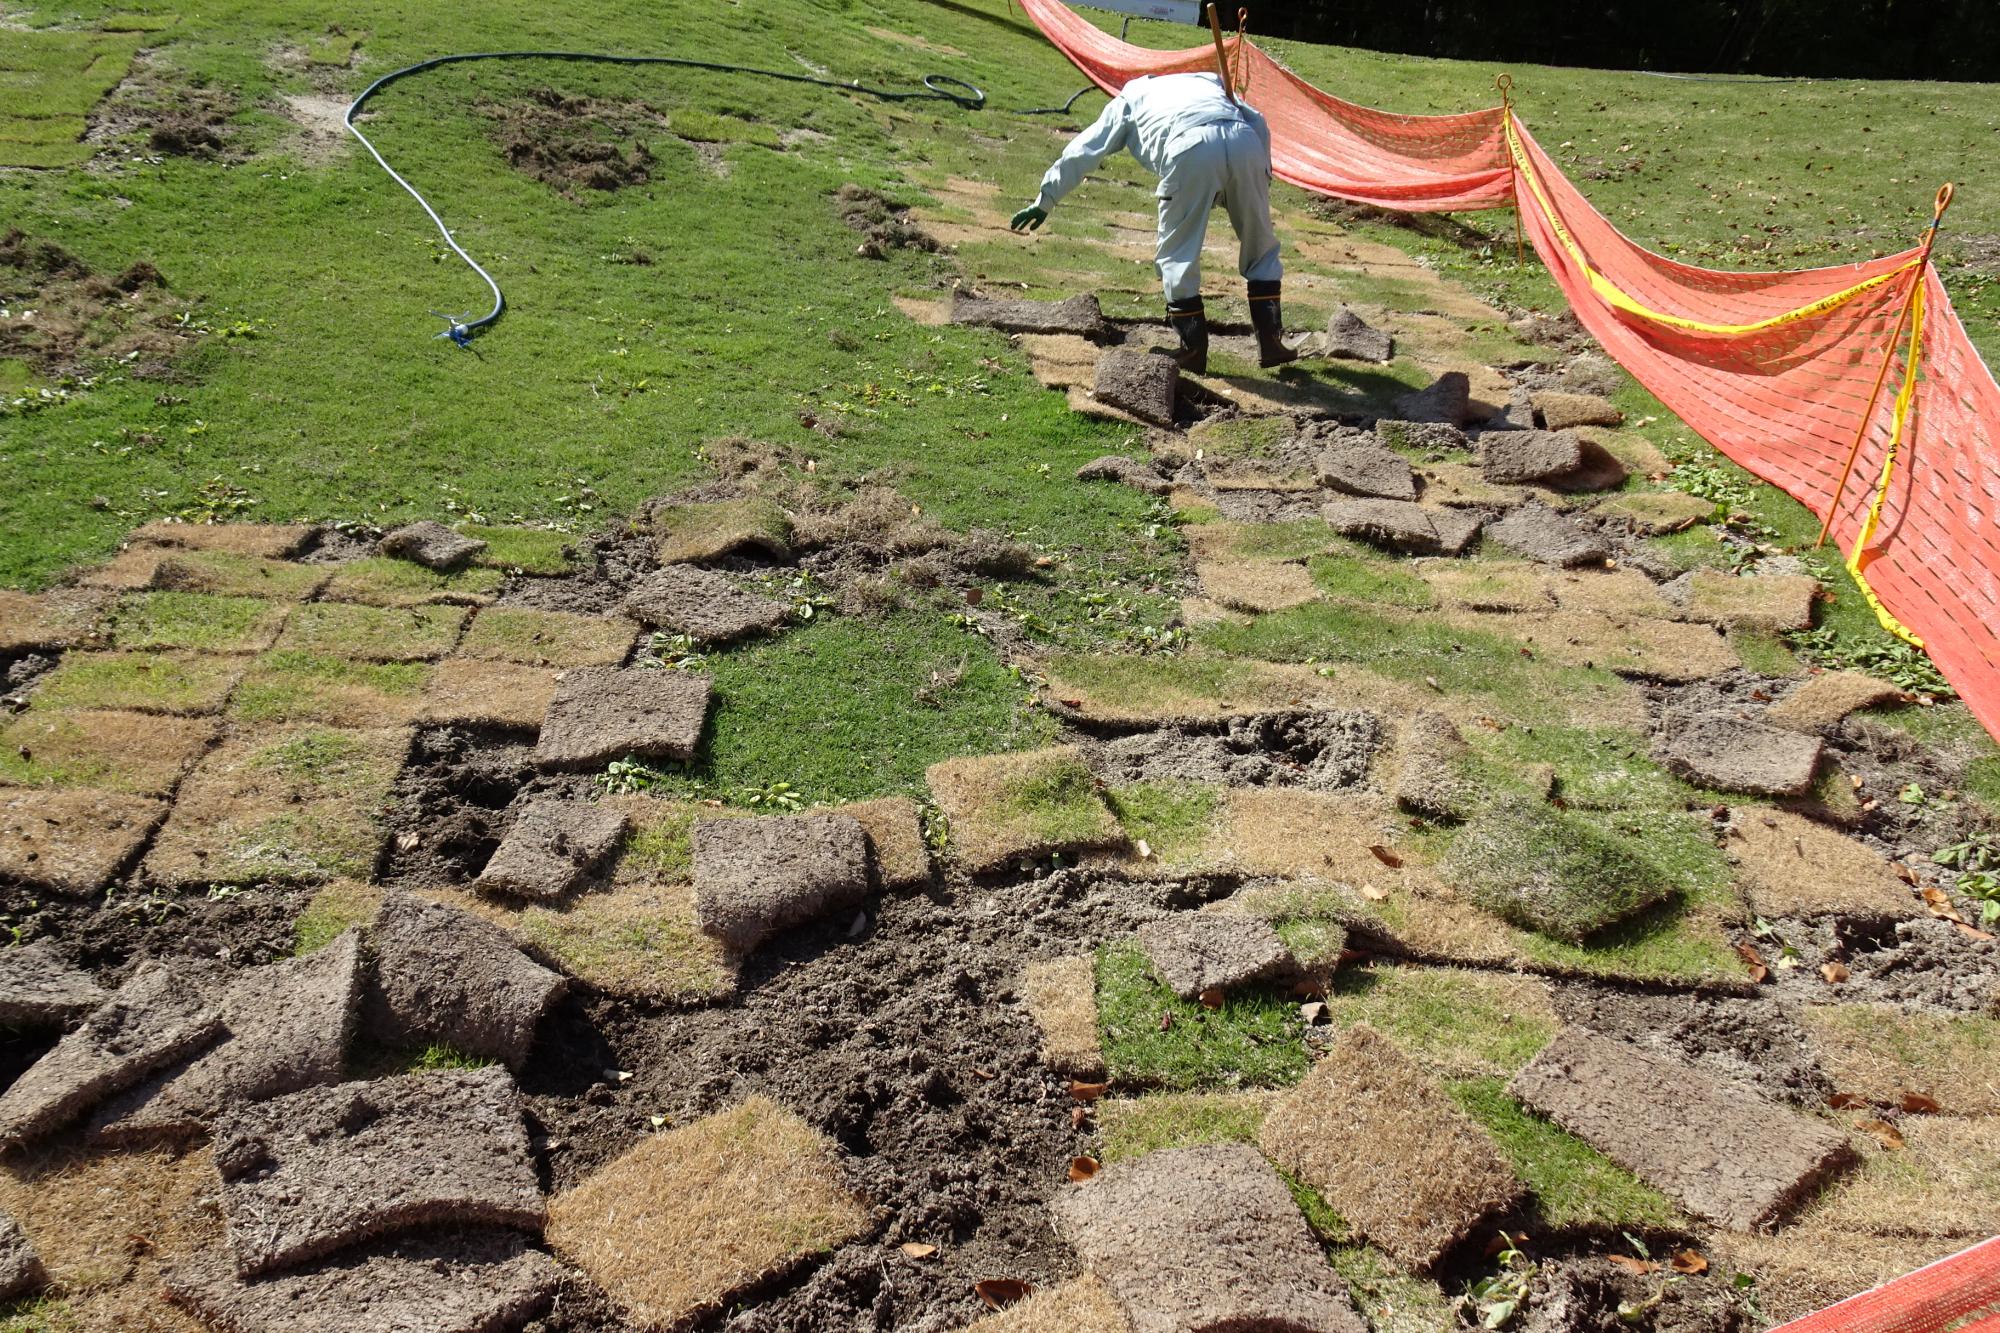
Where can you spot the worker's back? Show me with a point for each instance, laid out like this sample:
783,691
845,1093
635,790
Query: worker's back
1178,101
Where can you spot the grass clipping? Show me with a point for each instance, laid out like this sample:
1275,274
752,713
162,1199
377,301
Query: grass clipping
680,1222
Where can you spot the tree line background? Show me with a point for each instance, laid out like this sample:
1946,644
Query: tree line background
1892,39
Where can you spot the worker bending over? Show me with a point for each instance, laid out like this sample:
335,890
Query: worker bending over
1207,148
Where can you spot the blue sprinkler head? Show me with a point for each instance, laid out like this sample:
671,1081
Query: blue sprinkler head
456,329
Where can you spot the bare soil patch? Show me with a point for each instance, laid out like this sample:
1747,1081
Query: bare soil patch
81,317
574,144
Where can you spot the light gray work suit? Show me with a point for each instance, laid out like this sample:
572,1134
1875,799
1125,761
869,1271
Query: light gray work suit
1206,150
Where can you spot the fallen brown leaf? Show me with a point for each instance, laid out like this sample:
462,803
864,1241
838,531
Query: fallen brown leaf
1903,872
1834,973
1001,1292
1974,932
1078,1117
1846,1101
1632,1265
1917,1103
1689,1262
1210,998
1885,1133
1087,1092
1754,960
1385,856
1940,906
916,1249
1082,1168
1373,894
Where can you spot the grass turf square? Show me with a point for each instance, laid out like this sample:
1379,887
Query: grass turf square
546,638
196,620
373,633
146,682
1008,807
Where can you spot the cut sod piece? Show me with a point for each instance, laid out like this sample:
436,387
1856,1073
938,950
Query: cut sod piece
1767,602
898,856
72,841
1203,1238
39,989
290,686
1795,867
488,694
295,803
231,575
1061,996
1653,512
1388,1150
702,604
1153,1038
446,977
1006,808
59,618
1134,1126
186,683
709,531
1573,1184
1117,687
1257,586
1552,871
1878,1052
372,633
551,848
677,1224
1719,1149
1453,1022
546,638
265,541
331,910
1200,953
599,714
196,620
140,753
381,581
756,876
306,1174
1825,699
545,551
430,544
638,940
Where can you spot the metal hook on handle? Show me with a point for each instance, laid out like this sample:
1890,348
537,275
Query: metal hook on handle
1505,83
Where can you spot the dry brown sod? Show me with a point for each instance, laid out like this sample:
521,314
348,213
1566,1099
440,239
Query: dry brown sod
708,531
1656,511
684,1218
128,571
60,618
143,754
1366,1116
1081,1305
1199,612
1058,360
72,841
1061,995
1486,585
1640,455
1790,866
1827,698
1944,1181
1152,689
1652,649
1618,593
895,832
226,574
637,940
1879,1052
1799,1270
1233,543
1023,806
489,694
547,638
270,541
382,581
106,1225
1257,587
1773,602
286,803
1248,478
186,683
373,633
1463,486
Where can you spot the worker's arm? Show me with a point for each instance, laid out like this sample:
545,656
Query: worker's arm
1257,125
1109,134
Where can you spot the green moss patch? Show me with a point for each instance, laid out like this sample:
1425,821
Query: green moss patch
373,633
1010,807
547,638
543,551
288,686
696,532
142,682
1455,1023
196,620
140,753
1134,1126
1574,1185
288,804
1552,871
382,581
232,574
1176,820
1153,1038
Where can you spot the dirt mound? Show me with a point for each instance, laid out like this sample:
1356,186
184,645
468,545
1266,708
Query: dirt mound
576,143
882,224
81,316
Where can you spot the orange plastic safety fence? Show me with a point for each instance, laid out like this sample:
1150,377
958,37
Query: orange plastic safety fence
1776,370
1960,1294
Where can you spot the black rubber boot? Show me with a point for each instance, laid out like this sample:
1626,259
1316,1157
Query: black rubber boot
1190,321
1267,317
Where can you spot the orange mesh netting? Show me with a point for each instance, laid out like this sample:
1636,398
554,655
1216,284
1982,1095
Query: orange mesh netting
1960,1294
1776,370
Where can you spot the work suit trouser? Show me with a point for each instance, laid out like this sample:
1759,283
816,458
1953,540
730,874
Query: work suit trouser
1224,162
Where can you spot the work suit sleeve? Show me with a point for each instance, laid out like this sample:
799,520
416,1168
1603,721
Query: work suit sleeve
1111,132
1262,130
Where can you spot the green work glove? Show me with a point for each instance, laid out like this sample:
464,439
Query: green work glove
1029,218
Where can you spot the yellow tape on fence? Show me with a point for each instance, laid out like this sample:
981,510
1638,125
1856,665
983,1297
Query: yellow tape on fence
1898,424
1619,300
